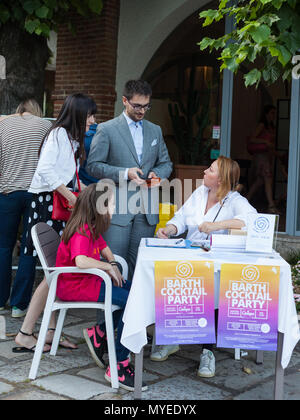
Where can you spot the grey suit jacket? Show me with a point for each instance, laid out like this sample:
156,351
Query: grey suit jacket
112,152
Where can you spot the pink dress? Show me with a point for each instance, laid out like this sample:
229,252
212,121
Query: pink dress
79,287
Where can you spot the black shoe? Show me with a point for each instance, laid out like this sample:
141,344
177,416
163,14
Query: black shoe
125,375
97,344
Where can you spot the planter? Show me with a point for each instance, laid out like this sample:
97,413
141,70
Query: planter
191,177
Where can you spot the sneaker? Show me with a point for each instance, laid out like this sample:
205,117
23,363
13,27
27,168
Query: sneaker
126,376
161,353
18,313
207,364
97,344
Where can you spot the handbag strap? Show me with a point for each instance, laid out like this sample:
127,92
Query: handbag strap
77,176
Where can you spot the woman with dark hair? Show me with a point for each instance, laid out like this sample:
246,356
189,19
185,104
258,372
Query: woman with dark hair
262,146
55,172
58,162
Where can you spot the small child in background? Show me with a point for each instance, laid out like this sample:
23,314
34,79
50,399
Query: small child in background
83,246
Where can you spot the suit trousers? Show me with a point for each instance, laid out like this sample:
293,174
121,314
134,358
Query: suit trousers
125,240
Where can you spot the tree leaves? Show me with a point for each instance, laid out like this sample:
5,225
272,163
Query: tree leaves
95,6
260,33
41,16
265,29
4,14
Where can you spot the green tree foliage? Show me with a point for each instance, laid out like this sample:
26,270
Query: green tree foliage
24,28
265,29
39,17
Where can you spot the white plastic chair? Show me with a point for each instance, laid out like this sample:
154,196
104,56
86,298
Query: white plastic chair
46,242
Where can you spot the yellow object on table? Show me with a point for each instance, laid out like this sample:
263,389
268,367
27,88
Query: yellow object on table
166,212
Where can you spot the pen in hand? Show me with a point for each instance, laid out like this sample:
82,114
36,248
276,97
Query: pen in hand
179,241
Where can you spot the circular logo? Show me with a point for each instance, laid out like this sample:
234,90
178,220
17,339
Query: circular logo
250,273
184,269
202,322
261,224
265,328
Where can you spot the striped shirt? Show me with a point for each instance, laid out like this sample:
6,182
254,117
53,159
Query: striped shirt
20,139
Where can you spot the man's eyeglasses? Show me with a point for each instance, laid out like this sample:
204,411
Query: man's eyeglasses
138,107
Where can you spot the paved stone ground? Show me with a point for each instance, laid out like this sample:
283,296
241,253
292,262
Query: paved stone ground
73,375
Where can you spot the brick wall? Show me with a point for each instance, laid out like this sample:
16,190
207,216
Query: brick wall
86,61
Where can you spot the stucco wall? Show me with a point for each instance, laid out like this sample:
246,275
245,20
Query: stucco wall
142,29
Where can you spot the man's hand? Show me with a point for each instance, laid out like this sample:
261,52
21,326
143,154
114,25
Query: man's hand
155,182
152,175
133,175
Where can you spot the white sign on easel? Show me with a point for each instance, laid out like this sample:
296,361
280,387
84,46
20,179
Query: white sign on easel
260,232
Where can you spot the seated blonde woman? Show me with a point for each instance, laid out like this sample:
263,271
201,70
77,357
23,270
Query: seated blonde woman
214,207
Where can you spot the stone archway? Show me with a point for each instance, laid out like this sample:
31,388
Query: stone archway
141,32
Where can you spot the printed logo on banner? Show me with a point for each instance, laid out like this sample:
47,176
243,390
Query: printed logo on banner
250,273
248,307
184,269
184,300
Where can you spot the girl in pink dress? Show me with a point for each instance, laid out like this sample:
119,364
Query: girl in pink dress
84,247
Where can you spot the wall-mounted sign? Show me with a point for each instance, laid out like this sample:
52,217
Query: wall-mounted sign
216,132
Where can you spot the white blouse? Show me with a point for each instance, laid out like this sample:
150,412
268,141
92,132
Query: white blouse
191,214
56,164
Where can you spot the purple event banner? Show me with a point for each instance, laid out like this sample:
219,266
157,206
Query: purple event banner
248,307
184,302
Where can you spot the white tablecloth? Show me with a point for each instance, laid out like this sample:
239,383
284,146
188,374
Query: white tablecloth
140,309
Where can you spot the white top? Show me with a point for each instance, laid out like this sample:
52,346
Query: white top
56,165
191,214
136,130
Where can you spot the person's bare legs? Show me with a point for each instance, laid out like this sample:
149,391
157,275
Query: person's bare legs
269,192
254,187
35,309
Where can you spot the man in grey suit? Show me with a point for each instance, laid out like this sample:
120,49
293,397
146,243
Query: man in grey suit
127,150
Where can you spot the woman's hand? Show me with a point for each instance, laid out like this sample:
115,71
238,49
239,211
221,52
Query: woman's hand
72,200
64,191
207,227
166,232
162,233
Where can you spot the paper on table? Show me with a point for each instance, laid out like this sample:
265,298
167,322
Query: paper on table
228,241
168,243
